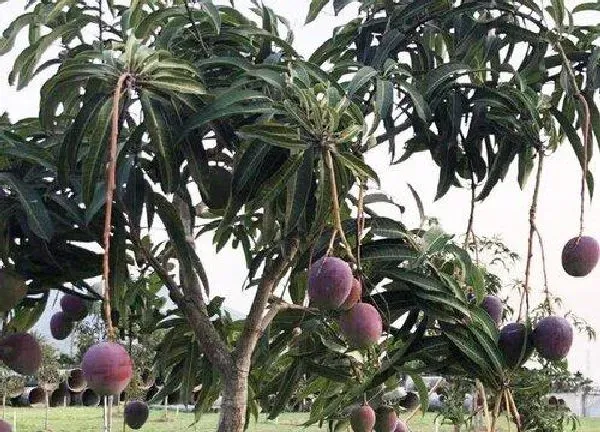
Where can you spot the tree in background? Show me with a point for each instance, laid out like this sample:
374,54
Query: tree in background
48,376
11,385
212,123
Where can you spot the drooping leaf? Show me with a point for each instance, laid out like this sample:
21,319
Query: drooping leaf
316,6
95,157
361,78
38,218
301,189
158,130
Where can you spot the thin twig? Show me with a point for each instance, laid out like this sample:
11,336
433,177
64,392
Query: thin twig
486,409
514,410
532,228
496,412
360,220
544,270
111,168
469,231
508,410
100,25
278,305
585,129
586,135
336,206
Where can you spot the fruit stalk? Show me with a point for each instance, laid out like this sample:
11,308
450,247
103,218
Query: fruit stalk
336,207
496,412
514,410
532,229
586,135
360,220
544,271
111,169
585,129
470,231
486,410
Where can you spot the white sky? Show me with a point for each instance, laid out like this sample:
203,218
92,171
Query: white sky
504,213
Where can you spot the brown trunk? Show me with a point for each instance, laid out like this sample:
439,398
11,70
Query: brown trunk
47,409
233,403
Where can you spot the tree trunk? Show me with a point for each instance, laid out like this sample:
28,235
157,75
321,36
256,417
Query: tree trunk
233,404
47,409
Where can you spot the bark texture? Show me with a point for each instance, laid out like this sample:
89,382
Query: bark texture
233,404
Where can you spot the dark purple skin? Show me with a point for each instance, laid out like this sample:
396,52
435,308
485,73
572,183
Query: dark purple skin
5,427
329,282
553,337
513,337
362,419
385,419
74,307
354,296
107,368
361,325
136,414
580,256
401,426
60,326
494,307
21,352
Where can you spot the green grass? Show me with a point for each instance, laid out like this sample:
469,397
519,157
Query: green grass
77,419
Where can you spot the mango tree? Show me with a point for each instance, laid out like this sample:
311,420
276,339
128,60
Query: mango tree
164,114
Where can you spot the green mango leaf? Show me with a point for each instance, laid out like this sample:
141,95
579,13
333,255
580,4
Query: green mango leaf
316,6
275,134
419,104
301,187
158,129
358,167
338,5
235,102
26,62
360,79
384,98
422,391
38,218
387,250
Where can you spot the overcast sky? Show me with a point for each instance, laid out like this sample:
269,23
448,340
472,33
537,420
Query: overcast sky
504,213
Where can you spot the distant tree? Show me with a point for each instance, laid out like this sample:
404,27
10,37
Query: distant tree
48,376
11,385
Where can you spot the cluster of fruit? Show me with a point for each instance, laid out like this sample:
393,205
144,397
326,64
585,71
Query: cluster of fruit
74,309
384,419
331,286
552,336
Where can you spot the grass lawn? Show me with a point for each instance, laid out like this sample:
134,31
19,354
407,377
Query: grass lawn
77,419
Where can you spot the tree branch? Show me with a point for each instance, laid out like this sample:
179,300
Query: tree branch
253,327
191,281
209,340
278,305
